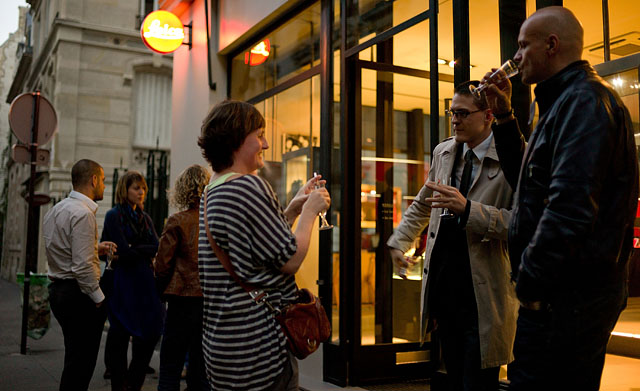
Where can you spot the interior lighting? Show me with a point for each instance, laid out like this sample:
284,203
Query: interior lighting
442,61
618,82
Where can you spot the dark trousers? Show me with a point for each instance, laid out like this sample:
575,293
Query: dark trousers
117,346
182,334
563,347
82,324
460,342
288,379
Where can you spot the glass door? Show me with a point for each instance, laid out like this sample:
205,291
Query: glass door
392,114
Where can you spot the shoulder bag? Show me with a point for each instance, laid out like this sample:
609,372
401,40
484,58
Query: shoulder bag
304,322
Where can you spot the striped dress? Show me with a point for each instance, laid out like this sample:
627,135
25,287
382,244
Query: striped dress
243,346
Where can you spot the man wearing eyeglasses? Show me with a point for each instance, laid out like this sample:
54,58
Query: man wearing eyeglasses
467,295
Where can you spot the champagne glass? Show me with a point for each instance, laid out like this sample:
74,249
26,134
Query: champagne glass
446,213
509,67
324,224
109,258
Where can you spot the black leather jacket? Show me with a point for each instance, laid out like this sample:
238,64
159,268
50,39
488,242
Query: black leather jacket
572,227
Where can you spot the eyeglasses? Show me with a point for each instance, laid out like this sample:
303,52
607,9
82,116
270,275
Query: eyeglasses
462,114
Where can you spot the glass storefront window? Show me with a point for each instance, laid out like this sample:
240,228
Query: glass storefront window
288,51
627,84
367,18
293,133
624,22
484,37
589,12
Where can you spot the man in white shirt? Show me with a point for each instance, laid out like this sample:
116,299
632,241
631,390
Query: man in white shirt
71,242
467,296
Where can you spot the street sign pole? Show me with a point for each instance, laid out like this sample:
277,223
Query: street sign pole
32,224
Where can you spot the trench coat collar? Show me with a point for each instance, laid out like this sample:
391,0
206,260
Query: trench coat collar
452,146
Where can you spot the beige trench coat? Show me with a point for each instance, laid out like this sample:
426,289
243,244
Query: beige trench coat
487,226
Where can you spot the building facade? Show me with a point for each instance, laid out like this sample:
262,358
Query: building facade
8,64
112,97
357,90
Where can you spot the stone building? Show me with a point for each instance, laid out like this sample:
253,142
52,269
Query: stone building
112,96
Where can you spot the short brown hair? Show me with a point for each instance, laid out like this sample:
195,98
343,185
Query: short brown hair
463,89
83,171
124,183
224,130
189,186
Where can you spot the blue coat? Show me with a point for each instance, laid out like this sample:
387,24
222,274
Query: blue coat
133,300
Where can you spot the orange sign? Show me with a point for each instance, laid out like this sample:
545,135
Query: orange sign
258,54
162,32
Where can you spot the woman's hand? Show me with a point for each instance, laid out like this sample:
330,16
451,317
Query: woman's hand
318,201
104,247
295,206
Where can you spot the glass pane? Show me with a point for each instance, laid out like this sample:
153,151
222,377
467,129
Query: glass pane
627,84
589,12
395,162
367,18
484,51
293,132
624,19
290,50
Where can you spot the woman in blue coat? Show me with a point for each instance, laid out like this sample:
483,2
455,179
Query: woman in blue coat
134,307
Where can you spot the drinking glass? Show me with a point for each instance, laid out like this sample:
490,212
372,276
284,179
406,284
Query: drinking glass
324,224
109,258
509,67
446,213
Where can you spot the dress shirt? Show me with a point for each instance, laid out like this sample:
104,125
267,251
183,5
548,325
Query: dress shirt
479,152
71,241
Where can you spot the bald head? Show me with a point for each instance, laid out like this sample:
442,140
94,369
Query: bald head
563,23
549,40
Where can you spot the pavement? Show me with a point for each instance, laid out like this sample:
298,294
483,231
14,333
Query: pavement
41,367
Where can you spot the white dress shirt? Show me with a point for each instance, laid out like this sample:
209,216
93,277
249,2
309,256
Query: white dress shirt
71,241
478,152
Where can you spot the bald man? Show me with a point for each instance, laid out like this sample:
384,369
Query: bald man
576,196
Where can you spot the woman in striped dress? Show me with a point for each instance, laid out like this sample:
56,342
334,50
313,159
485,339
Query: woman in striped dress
243,346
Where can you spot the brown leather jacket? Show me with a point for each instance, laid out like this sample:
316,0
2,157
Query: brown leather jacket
176,263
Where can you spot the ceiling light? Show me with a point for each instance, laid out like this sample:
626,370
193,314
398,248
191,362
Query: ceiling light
617,82
442,61
452,63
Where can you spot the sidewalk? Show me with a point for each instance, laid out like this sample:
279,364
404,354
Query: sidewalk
41,367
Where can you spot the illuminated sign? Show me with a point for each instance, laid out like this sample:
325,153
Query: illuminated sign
162,32
258,54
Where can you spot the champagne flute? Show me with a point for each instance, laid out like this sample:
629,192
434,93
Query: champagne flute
109,258
324,224
509,67
446,213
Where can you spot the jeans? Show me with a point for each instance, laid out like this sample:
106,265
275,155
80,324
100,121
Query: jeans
182,334
563,346
460,341
82,324
141,352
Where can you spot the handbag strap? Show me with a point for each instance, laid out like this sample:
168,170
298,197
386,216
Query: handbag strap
259,296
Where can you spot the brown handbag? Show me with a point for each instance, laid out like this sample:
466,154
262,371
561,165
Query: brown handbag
304,322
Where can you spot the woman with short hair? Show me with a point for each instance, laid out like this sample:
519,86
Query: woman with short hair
243,346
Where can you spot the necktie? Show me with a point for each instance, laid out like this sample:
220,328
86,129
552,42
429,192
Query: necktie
465,181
